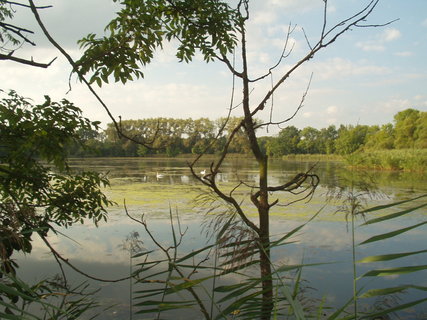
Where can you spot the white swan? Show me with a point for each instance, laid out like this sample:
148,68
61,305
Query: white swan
159,175
185,179
203,172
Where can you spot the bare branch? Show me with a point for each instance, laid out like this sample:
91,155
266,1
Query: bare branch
306,38
301,104
230,67
335,32
67,262
24,5
376,25
172,259
283,55
25,61
17,31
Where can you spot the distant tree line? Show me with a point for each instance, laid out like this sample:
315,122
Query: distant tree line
180,136
409,130
168,136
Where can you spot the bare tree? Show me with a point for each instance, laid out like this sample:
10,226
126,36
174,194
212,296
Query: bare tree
303,184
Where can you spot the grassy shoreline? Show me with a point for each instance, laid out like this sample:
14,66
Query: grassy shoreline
412,160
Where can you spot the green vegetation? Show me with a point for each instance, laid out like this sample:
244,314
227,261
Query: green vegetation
393,147
168,136
225,285
38,192
408,131
403,159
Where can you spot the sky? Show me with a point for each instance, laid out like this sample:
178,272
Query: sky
365,77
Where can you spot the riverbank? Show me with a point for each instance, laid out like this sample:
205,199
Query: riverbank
412,160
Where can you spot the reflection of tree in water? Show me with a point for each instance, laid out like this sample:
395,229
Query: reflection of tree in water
134,245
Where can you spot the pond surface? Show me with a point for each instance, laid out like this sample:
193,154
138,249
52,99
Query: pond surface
154,187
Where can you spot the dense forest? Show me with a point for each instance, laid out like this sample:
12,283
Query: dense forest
183,136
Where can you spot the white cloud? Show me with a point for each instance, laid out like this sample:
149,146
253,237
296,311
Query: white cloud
370,46
264,57
339,67
331,121
265,17
332,9
393,105
378,44
404,54
391,34
331,110
300,5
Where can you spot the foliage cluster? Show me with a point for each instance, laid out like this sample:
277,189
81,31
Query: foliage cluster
402,159
409,131
167,136
141,28
38,191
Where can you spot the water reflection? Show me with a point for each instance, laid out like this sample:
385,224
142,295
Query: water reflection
176,171
98,251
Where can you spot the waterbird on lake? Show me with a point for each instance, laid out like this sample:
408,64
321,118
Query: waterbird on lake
159,175
203,172
185,179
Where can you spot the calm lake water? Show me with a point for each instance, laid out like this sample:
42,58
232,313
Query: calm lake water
155,186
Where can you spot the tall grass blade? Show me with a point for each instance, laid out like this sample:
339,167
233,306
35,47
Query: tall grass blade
378,315
392,234
394,271
391,290
387,257
194,253
239,291
343,309
393,215
140,254
186,284
164,306
386,206
231,287
294,231
238,303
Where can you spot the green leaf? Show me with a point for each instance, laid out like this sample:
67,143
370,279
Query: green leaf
186,284
394,271
386,206
386,257
237,292
237,304
140,254
391,290
394,309
391,234
393,215
164,306
194,253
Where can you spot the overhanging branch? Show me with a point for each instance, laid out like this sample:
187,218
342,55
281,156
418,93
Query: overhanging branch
25,61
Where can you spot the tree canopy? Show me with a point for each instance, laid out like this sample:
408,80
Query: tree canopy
38,191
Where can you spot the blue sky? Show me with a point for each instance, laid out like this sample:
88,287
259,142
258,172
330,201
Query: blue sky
365,77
